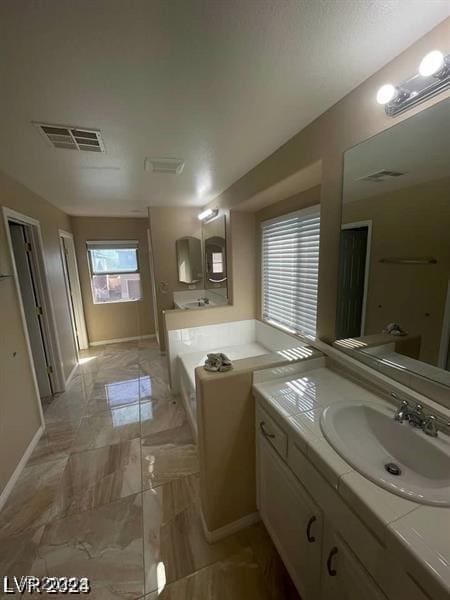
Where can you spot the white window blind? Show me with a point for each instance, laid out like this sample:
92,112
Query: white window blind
290,270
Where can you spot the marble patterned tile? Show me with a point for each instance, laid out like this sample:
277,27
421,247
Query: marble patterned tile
33,500
103,544
173,535
168,455
55,442
275,574
107,396
236,577
100,476
111,373
108,427
65,408
160,415
18,554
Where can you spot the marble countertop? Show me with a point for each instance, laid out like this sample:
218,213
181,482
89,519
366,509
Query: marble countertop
420,533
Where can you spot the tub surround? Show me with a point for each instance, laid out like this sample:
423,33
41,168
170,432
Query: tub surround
226,441
412,537
214,338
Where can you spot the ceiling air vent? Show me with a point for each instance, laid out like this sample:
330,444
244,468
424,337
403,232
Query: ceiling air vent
173,166
72,138
379,176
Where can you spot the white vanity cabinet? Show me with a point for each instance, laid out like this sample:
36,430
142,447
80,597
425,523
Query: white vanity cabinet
293,520
343,576
320,562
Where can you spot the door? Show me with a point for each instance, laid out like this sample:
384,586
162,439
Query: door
292,519
343,576
73,288
153,284
32,305
351,284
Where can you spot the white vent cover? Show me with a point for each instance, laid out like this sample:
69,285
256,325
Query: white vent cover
72,138
173,166
379,176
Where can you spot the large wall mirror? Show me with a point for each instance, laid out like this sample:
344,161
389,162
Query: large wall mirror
394,278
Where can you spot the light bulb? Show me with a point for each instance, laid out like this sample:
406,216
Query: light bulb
431,63
208,213
386,93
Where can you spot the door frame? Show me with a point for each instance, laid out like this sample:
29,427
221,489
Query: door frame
77,298
445,333
357,225
53,349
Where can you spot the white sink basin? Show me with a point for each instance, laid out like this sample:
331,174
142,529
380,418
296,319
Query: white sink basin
368,438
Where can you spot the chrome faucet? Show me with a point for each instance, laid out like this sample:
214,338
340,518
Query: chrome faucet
203,300
430,424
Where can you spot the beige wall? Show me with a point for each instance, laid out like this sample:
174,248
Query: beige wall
352,120
122,319
167,225
414,221
19,414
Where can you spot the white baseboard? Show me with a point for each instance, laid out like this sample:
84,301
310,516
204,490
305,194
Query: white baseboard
20,466
223,532
72,373
126,339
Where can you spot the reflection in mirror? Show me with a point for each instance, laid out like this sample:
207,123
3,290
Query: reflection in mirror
189,259
214,241
394,276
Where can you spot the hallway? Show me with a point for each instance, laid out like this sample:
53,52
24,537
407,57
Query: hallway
111,493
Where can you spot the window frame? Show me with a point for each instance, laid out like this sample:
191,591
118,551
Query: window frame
115,245
308,211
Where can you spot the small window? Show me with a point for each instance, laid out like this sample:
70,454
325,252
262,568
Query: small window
114,270
290,270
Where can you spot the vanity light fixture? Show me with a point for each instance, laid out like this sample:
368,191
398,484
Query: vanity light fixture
432,78
208,214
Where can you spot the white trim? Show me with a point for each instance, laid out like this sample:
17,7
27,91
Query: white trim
228,529
77,296
72,373
445,335
126,339
42,276
9,214
355,225
20,466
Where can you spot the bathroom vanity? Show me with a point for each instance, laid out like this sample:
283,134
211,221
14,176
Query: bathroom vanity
340,535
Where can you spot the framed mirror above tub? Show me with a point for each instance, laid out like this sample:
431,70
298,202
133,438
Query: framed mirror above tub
202,266
215,259
189,259
393,309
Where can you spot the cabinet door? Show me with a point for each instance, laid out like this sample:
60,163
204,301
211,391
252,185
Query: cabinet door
292,519
343,576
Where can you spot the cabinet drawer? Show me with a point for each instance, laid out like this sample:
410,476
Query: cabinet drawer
267,427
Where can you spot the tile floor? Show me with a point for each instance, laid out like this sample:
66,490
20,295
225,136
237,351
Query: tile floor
111,493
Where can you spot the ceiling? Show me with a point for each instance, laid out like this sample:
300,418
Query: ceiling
418,147
218,83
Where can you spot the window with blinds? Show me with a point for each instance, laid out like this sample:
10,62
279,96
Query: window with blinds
290,270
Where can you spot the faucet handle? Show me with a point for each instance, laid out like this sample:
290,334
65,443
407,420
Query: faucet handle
400,412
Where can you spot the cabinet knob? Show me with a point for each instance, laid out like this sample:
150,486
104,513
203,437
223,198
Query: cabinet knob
309,537
331,572
266,433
